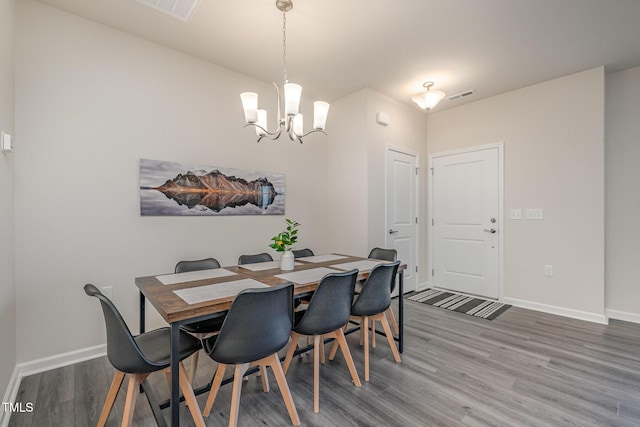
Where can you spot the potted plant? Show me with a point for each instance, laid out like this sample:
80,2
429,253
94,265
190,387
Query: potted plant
284,241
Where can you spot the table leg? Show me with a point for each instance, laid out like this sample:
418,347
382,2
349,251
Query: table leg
401,312
175,374
142,301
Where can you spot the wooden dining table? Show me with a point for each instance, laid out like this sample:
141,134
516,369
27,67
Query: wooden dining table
188,297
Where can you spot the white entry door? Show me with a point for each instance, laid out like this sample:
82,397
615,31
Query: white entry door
401,222
466,194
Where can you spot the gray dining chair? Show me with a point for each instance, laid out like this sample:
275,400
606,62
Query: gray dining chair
254,259
370,306
257,326
301,253
390,255
140,356
327,313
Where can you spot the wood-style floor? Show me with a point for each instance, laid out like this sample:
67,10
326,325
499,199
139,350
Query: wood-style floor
522,369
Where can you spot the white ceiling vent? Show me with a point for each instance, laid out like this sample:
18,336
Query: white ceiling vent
462,95
181,9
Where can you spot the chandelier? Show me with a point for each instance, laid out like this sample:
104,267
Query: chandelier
292,121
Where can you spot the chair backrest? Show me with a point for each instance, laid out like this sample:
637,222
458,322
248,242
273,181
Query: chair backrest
330,305
375,296
201,264
301,253
384,254
252,259
257,325
122,350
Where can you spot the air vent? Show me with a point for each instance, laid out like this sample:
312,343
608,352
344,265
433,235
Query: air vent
461,95
181,9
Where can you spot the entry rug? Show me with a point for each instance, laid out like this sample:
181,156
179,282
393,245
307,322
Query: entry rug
477,307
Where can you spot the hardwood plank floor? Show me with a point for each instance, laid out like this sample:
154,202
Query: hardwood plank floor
523,369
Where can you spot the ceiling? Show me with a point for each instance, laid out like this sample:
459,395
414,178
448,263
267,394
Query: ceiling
336,47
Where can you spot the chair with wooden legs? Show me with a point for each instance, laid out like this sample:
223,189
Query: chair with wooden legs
370,306
301,253
254,259
328,311
140,356
257,326
202,328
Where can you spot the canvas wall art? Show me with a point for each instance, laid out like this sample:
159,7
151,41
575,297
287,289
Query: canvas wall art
181,189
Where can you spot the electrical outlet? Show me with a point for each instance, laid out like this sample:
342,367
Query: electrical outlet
107,291
548,270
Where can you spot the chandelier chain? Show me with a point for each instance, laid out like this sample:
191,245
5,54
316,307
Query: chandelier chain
284,45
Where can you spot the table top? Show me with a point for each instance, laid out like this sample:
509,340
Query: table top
212,291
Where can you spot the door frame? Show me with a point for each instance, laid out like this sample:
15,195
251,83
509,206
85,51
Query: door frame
501,219
416,244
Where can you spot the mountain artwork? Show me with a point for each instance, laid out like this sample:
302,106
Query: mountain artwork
179,189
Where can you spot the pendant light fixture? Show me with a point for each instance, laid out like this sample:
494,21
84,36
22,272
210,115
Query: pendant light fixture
292,121
429,99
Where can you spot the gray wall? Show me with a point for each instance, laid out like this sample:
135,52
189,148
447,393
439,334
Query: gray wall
553,135
7,286
623,194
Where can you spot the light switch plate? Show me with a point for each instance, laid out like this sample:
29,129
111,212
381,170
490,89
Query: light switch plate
6,143
515,214
534,214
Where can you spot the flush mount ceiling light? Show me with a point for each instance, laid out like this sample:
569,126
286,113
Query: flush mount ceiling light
291,122
429,99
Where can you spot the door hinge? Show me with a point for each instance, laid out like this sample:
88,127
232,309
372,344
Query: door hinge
431,171
432,272
416,268
416,220
432,222
417,171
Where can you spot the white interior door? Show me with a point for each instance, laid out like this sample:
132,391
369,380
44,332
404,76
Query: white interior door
466,221
401,218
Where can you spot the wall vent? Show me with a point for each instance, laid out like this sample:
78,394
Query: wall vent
462,95
181,9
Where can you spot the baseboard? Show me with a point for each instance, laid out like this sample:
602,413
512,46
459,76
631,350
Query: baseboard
10,396
560,311
623,315
59,360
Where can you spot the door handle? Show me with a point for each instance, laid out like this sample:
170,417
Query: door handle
490,230
393,231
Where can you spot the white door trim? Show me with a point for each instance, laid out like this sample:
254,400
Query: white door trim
416,245
501,221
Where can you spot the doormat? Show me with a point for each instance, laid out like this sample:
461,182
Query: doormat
477,307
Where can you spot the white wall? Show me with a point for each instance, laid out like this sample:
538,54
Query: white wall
622,153
553,135
92,101
356,165
7,284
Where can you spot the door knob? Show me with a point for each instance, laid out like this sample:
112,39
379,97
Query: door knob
393,231
490,230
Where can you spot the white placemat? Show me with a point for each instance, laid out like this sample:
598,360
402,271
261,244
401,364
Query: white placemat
364,264
259,266
217,290
190,276
322,258
306,276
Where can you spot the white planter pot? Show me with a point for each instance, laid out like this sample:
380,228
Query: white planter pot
286,262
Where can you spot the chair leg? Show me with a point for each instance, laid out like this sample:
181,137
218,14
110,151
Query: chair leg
392,318
334,349
118,378
274,362
215,386
235,393
317,340
322,355
190,397
342,341
365,335
373,333
132,393
264,378
387,331
293,343
194,365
